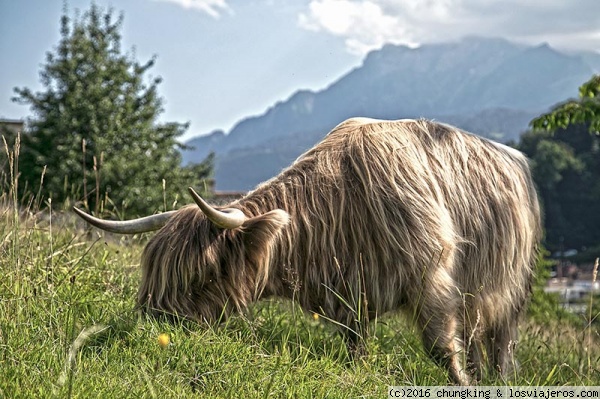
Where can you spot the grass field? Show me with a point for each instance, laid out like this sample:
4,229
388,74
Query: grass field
68,328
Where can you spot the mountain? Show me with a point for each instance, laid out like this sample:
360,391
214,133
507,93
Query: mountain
491,87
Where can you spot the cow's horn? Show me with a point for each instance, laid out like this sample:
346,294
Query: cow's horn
141,225
229,218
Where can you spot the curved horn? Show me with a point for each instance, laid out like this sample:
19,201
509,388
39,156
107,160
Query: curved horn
229,218
141,225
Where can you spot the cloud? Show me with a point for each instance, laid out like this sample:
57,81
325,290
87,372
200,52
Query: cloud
363,24
369,24
214,8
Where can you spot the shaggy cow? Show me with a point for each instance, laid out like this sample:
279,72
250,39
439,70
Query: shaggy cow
380,215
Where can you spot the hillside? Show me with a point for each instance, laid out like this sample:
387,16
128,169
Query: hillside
489,86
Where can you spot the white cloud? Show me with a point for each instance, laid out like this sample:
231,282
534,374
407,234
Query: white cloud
369,24
214,8
364,25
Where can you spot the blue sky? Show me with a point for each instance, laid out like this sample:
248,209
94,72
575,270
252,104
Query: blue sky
222,60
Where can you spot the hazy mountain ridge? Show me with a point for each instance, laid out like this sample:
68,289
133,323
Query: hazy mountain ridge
488,86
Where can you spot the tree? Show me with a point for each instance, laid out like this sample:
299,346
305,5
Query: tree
585,110
558,171
95,127
566,168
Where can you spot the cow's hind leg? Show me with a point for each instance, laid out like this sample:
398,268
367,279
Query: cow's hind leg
440,326
500,344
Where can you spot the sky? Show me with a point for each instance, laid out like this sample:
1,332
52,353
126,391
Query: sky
224,60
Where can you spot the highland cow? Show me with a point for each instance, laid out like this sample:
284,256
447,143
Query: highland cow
378,216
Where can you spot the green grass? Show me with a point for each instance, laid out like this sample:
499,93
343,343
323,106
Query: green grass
68,328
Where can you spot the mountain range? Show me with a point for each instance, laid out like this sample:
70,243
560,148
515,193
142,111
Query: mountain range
491,87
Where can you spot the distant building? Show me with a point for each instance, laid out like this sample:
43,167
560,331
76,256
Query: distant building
222,197
225,197
12,126
572,292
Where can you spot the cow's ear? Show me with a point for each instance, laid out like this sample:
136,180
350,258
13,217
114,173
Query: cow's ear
260,231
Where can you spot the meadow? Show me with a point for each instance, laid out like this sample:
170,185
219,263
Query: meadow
69,328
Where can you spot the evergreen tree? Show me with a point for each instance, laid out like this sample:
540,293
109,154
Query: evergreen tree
95,127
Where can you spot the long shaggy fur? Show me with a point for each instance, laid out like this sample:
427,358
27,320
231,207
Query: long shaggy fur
380,215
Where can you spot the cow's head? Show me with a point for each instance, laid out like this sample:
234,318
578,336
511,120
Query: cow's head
203,262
